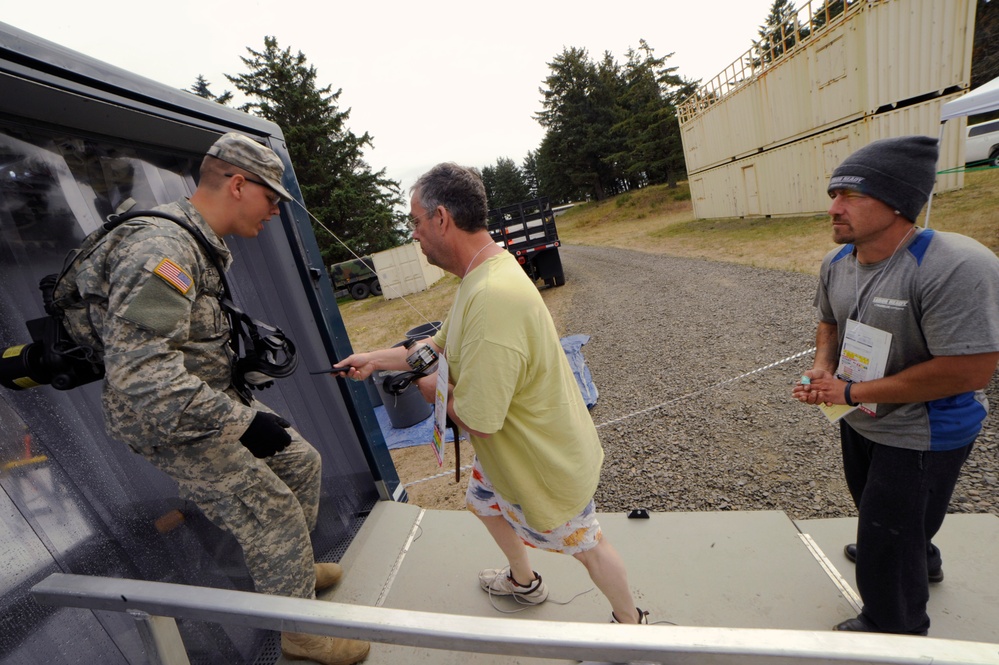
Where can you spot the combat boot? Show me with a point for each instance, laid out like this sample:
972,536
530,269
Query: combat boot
322,649
327,574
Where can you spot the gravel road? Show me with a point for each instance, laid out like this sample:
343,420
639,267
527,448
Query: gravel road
688,418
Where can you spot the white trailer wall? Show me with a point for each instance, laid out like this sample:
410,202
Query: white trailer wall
763,139
404,270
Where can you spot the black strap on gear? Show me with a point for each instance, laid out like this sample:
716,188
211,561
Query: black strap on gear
262,352
396,384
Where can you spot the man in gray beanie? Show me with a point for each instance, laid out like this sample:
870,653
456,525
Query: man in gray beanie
936,294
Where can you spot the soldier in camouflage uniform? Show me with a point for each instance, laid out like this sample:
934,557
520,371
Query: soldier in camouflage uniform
146,296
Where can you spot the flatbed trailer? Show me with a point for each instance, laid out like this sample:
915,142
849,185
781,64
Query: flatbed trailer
527,230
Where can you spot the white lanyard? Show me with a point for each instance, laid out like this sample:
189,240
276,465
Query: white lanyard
879,276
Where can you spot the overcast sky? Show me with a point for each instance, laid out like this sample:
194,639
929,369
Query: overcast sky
429,81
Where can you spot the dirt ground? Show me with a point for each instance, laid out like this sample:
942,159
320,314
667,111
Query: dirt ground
418,463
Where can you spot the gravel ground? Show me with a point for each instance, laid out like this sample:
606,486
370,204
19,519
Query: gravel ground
688,419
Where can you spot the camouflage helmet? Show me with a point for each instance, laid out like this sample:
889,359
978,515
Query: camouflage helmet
247,154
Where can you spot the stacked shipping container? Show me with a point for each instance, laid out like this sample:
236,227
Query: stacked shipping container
763,137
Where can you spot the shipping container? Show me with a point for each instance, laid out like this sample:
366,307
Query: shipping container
791,179
404,270
767,127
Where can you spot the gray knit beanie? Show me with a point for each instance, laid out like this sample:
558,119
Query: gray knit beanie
898,171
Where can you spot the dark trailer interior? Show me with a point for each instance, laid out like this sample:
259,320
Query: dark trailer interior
77,137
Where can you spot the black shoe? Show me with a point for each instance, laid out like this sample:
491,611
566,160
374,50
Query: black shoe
932,576
856,624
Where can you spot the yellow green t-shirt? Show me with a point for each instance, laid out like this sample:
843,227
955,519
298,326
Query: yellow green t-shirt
512,380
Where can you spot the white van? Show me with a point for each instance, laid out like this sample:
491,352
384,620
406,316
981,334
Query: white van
982,143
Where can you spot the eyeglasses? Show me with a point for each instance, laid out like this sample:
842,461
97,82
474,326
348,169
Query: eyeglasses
414,222
273,197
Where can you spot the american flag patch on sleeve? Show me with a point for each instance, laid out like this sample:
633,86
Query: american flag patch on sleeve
174,275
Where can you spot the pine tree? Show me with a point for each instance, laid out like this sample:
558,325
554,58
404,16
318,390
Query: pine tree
578,113
529,169
338,186
202,89
504,183
648,129
985,53
778,34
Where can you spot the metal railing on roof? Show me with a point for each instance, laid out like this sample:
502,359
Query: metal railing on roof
155,605
779,43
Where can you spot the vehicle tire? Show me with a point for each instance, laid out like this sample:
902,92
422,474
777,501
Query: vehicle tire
994,158
359,291
549,265
376,288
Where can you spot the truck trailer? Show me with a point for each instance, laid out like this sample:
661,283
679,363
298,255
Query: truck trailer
527,230
78,137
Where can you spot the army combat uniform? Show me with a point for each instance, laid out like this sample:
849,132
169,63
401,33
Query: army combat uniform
147,297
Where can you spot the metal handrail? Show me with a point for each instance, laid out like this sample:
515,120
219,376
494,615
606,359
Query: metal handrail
512,637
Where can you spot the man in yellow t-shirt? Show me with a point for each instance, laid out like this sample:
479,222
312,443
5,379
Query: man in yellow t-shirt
511,389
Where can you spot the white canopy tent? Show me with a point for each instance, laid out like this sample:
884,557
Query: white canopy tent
982,99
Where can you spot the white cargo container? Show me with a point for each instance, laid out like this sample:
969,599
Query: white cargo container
791,179
760,137
404,270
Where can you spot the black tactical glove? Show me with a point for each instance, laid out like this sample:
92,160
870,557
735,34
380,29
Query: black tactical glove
266,435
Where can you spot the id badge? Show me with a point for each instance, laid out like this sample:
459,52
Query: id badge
864,356
440,409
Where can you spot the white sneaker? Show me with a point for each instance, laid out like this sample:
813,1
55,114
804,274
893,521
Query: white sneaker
643,617
498,582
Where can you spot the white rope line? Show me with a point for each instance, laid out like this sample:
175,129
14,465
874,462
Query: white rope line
704,390
657,406
439,475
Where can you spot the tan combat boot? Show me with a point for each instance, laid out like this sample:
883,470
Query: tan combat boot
327,574
322,649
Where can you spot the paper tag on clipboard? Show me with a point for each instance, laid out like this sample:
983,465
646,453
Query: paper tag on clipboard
863,358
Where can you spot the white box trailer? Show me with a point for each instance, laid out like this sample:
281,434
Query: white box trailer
404,270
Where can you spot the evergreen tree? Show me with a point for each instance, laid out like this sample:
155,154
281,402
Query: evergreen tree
985,53
504,183
827,11
529,169
778,34
578,113
609,128
201,89
649,132
338,186
553,180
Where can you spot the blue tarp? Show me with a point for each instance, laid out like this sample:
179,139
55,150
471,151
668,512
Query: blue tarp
418,434
423,432
573,347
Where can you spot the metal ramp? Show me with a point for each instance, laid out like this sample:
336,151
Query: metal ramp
732,569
